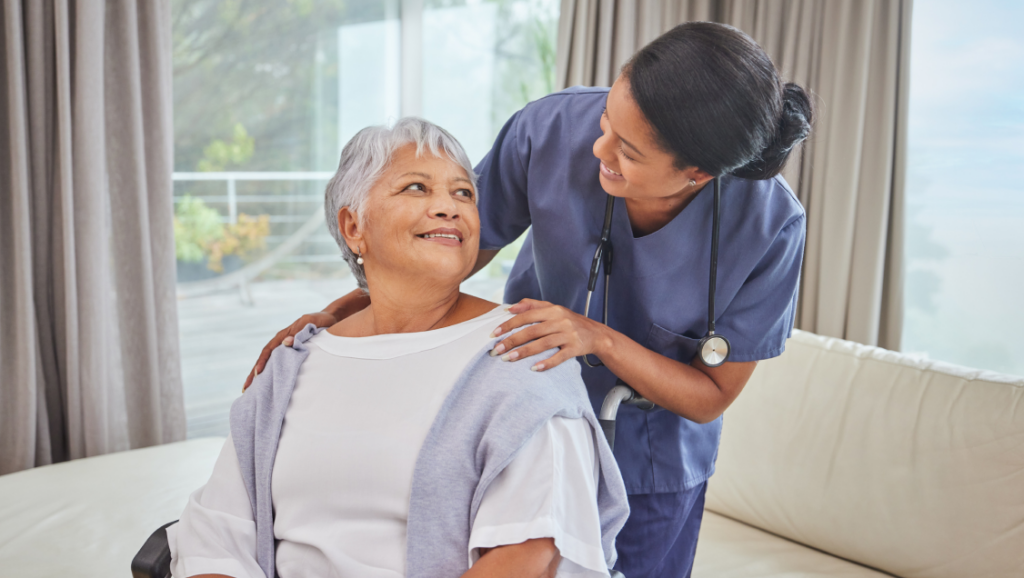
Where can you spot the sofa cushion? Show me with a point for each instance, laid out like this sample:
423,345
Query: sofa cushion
89,517
909,466
731,549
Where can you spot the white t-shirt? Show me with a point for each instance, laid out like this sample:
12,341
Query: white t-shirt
342,478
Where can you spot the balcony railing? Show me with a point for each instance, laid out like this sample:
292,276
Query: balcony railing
232,198
299,228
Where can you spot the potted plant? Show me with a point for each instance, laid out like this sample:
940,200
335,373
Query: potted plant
206,247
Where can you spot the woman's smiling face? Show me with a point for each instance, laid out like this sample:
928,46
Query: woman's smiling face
633,163
421,222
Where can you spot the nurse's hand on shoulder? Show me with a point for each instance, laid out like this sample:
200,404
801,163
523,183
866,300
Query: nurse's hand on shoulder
553,326
286,337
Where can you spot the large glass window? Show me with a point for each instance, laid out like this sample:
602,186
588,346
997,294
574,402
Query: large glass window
965,197
266,93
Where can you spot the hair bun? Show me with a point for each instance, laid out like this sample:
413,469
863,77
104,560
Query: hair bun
794,126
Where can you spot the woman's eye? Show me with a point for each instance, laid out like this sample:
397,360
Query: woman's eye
465,193
416,187
624,153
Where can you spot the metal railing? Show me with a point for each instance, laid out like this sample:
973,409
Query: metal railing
285,245
232,198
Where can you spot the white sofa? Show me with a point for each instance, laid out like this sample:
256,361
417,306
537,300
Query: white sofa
845,460
837,460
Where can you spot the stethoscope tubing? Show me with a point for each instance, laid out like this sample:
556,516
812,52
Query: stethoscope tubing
603,255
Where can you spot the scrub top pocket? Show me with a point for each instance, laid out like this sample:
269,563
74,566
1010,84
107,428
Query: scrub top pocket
672,345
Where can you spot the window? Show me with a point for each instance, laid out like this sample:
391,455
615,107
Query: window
265,95
965,197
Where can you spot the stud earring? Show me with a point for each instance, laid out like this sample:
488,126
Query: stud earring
359,259
693,183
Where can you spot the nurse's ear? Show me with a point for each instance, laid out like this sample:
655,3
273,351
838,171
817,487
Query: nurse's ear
698,177
351,228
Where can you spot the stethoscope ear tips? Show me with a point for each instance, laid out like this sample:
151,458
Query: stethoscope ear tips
713,350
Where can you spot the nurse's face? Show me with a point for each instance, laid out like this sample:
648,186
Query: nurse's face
421,225
633,163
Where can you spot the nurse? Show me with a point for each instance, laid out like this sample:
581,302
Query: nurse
701,101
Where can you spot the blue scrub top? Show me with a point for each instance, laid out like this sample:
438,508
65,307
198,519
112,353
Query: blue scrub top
542,172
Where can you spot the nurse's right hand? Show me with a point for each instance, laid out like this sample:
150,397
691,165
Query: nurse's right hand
333,313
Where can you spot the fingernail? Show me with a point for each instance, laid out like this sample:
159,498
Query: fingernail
496,332
288,341
498,350
510,356
537,367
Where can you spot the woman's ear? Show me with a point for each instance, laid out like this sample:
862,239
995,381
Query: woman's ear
348,224
695,174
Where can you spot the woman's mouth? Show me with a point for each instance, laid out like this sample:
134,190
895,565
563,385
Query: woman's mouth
610,174
449,237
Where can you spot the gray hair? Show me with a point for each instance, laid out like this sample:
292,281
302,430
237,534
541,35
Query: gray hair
365,158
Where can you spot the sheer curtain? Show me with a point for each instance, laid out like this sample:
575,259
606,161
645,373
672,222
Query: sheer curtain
88,327
852,56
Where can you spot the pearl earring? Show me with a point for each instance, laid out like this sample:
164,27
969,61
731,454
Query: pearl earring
693,183
359,259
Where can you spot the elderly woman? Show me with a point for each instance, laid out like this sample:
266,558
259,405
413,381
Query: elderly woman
392,444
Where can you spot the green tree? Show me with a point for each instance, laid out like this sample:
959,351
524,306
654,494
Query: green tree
250,62
219,155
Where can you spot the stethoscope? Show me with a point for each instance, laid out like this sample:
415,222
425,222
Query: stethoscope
713,349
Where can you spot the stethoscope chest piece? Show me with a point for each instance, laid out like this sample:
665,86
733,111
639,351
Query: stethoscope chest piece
713,350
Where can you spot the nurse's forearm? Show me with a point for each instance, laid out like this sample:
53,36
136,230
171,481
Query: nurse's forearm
483,258
352,302
698,393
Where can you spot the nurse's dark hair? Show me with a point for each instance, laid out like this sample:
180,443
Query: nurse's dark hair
716,102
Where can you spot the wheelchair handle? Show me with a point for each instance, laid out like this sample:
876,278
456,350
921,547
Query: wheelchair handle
617,396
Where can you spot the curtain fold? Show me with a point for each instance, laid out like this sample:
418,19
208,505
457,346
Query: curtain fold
88,325
852,56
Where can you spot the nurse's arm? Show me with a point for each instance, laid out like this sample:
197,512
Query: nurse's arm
697,392
339,309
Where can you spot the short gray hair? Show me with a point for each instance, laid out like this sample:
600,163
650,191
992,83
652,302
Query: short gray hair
365,158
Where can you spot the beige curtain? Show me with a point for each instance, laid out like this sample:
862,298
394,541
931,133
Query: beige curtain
88,326
852,55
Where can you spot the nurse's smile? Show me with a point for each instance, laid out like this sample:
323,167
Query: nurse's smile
610,174
636,166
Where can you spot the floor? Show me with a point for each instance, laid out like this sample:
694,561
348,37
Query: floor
221,337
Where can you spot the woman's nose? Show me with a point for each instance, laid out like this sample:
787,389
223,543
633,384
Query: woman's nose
601,146
443,206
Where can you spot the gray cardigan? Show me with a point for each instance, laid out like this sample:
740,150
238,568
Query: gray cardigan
491,412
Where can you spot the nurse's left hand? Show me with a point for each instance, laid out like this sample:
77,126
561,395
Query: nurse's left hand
552,326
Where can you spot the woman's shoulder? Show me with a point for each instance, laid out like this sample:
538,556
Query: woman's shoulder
574,98
771,202
572,109
472,307
515,381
